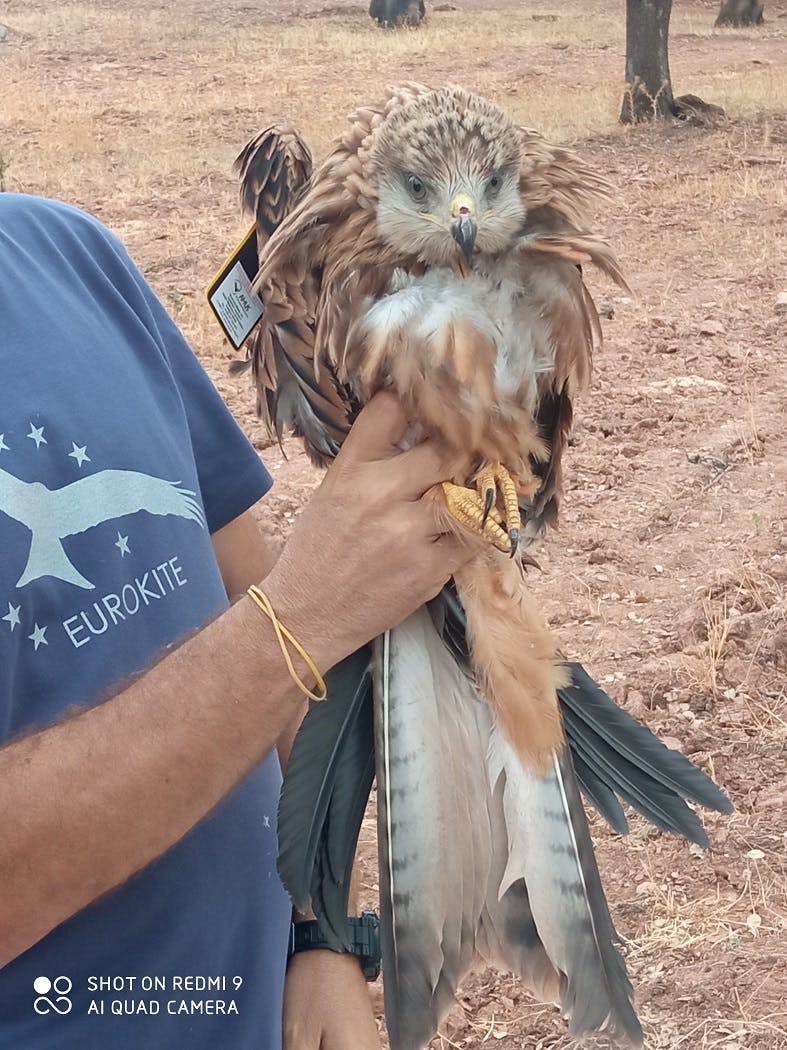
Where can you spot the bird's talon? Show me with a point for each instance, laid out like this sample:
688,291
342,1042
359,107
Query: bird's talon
489,502
492,480
478,510
465,506
513,536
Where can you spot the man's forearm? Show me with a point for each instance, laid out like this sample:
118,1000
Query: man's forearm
89,802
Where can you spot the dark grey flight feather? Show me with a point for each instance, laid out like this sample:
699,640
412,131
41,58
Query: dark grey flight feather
600,796
336,853
302,404
679,819
625,756
324,795
580,996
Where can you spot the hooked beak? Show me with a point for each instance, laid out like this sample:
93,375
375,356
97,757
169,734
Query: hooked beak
464,227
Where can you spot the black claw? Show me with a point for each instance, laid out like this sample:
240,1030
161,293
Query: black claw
513,537
489,502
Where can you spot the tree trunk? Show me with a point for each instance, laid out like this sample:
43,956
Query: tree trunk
648,86
394,14
740,13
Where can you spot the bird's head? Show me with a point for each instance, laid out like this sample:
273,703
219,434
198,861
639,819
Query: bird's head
447,169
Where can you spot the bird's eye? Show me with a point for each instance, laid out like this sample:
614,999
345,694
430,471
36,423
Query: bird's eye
493,185
416,188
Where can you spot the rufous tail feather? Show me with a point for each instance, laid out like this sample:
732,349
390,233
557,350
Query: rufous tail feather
514,656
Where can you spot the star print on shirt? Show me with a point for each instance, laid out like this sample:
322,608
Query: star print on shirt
122,545
79,454
37,434
12,617
3,446
37,637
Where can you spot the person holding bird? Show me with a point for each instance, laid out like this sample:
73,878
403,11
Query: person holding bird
425,328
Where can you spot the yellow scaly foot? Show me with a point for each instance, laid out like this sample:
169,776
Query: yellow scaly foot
477,509
494,479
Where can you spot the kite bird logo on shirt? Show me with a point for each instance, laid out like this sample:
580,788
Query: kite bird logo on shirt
53,515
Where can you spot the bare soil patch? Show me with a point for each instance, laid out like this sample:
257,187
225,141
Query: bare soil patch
667,577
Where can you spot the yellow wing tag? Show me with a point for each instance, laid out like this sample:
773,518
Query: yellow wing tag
235,304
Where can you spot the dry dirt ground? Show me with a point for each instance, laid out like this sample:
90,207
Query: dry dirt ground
668,575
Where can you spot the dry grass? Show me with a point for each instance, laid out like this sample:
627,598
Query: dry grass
162,96
717,622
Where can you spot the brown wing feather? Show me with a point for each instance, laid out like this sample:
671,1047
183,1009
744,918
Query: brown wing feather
559,190
325,255
554,417
274,169
559,182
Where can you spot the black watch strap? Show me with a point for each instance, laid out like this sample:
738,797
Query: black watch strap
363,936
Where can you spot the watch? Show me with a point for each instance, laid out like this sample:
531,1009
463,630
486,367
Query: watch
363,936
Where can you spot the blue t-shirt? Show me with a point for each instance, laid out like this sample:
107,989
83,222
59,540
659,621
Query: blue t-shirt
117,460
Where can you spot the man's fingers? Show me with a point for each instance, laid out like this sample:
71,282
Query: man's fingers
456,551
377,431
422,467
375,436
454,546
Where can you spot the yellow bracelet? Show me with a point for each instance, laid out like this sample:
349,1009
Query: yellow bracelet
283,636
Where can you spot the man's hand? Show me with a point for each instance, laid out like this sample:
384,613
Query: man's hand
327,1004
367,550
